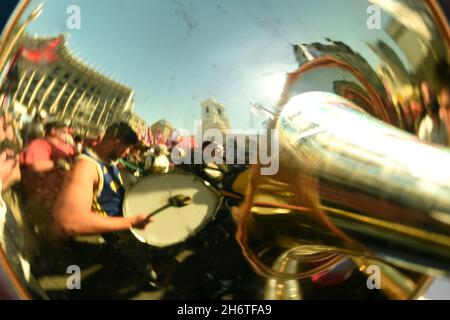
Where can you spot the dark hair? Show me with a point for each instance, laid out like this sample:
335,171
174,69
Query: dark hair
433,107
77,138
54,125
123,132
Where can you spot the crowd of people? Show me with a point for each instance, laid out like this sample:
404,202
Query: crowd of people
427,113
67,186
44,156
144,160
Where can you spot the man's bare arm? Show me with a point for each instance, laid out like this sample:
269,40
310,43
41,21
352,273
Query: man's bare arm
73,215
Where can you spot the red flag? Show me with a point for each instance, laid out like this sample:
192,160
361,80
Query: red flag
45,54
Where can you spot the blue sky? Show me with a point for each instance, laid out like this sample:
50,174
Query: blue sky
176,53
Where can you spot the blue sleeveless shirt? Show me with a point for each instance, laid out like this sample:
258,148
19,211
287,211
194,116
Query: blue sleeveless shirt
108,200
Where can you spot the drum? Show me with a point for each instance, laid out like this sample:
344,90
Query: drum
172,225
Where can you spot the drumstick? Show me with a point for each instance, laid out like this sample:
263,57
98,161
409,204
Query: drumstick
178,201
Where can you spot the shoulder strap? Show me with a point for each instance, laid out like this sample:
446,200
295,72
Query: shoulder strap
85,156
113,175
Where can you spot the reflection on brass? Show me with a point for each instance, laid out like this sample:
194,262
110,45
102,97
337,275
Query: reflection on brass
355,187
386,218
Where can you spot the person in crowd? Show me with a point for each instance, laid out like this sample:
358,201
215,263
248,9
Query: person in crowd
135,156
46,162
10,146
91,200
44,154
9,154
432,129
135,161
418,112
14,240
444,101
157,162
35,129
443,76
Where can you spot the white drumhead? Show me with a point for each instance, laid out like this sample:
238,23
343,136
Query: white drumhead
172,225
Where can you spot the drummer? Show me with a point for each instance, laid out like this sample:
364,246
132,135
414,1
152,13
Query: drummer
91,199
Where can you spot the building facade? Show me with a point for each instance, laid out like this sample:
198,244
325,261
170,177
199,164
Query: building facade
67,88
162,129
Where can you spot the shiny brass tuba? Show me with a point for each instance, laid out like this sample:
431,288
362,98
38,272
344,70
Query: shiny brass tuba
357,204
